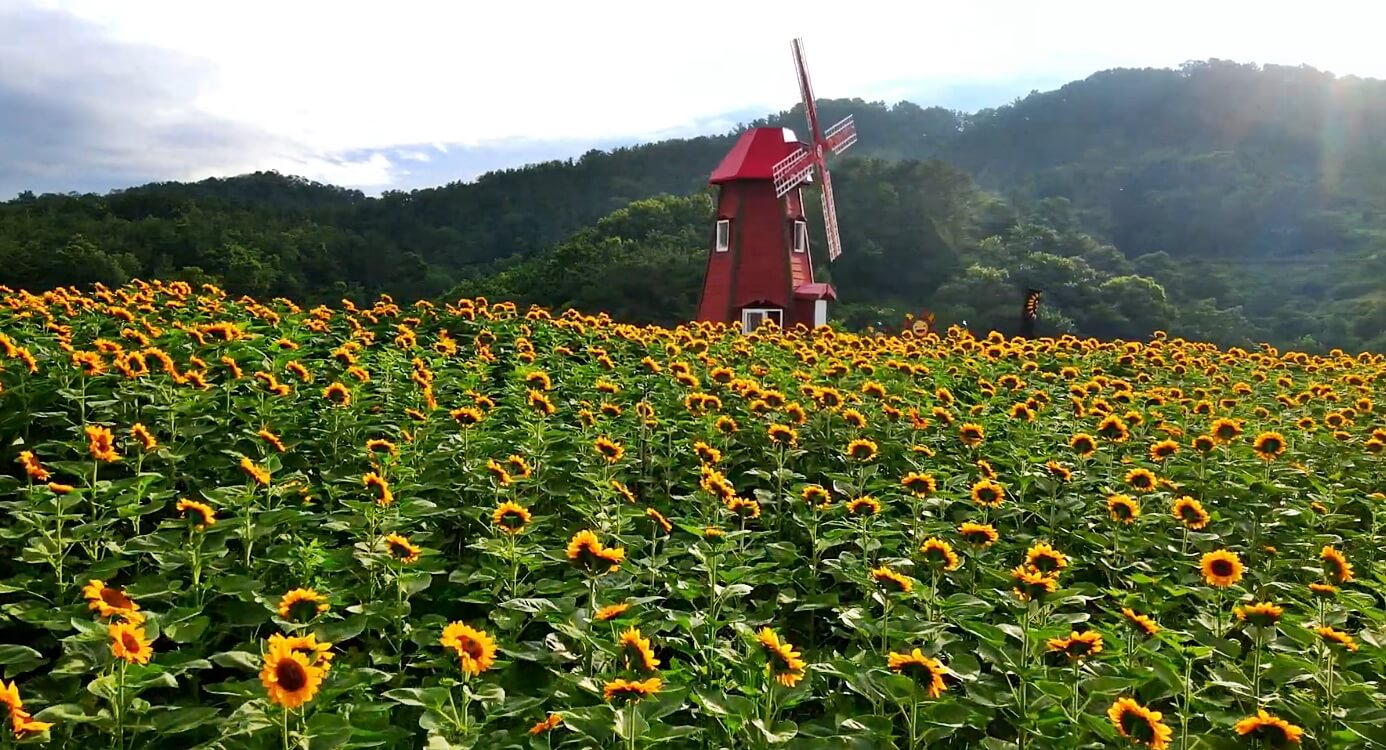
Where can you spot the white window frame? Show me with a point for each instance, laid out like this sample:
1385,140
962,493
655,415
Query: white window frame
764,312
800,239
723,241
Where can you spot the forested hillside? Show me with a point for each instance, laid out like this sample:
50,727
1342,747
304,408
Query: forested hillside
1219,200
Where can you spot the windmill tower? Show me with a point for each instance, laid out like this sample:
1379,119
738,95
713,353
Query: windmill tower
759,266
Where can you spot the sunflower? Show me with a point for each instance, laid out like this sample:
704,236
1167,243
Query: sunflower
301,605
927,671
1163,450
257,473
919,484
101,444
1141,480
864,504
1140,622
289,677
383,495
938,553
144,436
475,649
633,644
1335,565
1123,509
319,653
814,494
706,453
498,472
1113,428
785,663
1139,724
401,549
659,518
1077,645
971,434
1332,636
1044,559
271,438
466,416
892,580
1270,730
625,492
587,551
1083,444
22,723
109,602
1269,445
1190,512
988,493
1058,471
609,449
630,690
861,450
381,446
1225,430
1221,568
32,467
204,512
743,507
1204,444
1032,584
338,394
1323,589
1260,614
611,612
511,517
547,724
781,434
129,642
979,534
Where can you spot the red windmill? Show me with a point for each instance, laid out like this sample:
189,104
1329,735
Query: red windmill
759,267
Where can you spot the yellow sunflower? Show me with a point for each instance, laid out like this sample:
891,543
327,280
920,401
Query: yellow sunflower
1270,730
129,643
785,664
1139,724
927,671
290,679
302,605
1221,568
475,649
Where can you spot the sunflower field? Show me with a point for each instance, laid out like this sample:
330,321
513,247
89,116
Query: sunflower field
233,523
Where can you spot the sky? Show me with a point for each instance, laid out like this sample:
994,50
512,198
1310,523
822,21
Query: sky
101,94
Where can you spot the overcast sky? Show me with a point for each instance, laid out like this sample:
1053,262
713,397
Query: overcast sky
99,94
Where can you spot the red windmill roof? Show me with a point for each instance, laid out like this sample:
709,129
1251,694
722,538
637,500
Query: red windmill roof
755,155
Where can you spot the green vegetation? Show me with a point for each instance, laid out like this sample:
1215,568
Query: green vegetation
1221,201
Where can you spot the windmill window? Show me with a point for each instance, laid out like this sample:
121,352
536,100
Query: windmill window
800,236
723,235
753,317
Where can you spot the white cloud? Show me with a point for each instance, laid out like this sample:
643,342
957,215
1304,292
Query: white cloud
322,78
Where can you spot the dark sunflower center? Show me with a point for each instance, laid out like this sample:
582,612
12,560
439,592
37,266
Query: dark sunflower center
291,675
987,494
471,648
1226,432
1079,648
115,598
512,519
1188,512
1045,563
1137,726
1221,568
303,609
1273,735
131,643
1082,446
398,550
1270,445
1140,480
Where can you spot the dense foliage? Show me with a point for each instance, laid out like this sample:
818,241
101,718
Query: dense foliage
233,525
1235,202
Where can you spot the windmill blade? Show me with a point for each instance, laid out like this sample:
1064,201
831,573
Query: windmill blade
806,91
841,136
830,218
791,171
